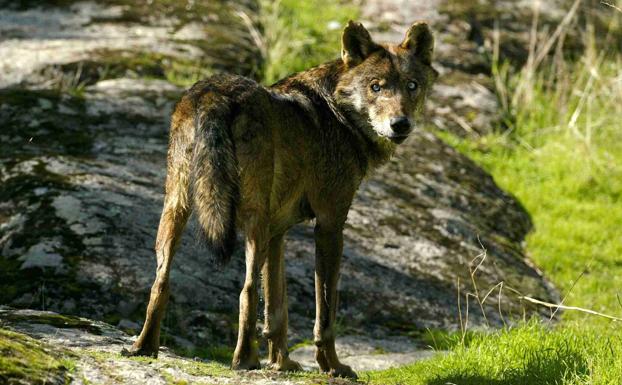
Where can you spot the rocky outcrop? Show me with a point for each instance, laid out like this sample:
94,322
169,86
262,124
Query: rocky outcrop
82,164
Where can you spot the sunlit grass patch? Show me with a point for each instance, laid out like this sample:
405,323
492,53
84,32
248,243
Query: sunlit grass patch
528,354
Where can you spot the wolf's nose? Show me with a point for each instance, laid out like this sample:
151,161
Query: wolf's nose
400,125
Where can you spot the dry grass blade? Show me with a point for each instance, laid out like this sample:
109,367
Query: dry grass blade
587,267
560,306
253,31
561,27
608,4
482,258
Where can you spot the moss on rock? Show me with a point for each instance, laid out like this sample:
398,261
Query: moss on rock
24,360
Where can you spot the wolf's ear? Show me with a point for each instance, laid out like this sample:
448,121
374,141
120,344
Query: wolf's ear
420,42
356,44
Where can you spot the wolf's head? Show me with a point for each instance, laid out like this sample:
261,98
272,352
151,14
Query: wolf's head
384,86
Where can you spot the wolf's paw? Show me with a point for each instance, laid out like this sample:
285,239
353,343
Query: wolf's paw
251,363
343,371
140,351
286,365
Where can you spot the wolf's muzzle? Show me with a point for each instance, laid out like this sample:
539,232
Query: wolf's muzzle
400,125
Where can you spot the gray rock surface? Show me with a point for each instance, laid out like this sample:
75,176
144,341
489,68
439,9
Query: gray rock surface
81,176
94,348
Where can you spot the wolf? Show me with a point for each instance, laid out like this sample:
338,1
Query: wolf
258,160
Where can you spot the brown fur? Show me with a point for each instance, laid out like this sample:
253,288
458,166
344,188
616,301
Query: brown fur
260,160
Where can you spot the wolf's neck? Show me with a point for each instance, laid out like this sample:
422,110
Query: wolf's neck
316,86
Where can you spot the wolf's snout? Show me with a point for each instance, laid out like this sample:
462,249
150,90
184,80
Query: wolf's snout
400,125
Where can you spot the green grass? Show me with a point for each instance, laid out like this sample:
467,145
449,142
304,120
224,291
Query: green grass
575,206
530,354
298,35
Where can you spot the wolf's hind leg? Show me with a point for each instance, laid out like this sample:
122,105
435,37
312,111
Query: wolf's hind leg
172,222
275,294
246,355
171,225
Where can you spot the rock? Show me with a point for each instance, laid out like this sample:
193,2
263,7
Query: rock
41,255
48,36
191,31
93,348
129,326
81,182
363,353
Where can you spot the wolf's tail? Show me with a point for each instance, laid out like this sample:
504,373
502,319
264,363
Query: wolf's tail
214,175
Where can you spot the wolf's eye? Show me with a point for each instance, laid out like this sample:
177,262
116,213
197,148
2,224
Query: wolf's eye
412,85
375,87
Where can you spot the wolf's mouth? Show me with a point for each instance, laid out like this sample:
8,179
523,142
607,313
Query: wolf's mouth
398,138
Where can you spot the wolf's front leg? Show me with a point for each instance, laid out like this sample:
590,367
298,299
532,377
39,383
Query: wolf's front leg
275,294
246,355
328,250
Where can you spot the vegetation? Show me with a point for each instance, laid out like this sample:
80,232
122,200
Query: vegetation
569,177
560,153
561,156
25,359
300,34
532,353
